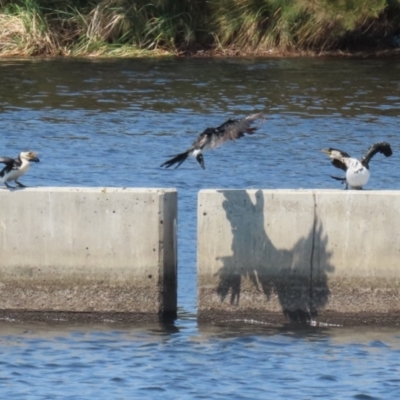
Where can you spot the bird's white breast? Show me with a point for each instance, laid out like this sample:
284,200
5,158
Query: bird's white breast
357,175
196,152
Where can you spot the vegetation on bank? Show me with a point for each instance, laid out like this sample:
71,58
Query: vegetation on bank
145,27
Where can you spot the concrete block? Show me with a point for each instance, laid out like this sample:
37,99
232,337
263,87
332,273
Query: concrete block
88,250
299,255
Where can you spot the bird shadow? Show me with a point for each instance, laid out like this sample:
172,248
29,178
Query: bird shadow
295,279
16,188
12,189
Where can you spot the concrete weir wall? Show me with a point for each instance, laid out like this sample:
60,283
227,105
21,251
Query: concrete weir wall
299,255
88,250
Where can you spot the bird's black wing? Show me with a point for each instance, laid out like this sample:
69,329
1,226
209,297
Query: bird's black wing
7,160
10,164
231,129
338,157
381,147
339,164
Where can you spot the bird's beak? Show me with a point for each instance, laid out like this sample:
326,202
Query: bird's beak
326,151
34,159
200,160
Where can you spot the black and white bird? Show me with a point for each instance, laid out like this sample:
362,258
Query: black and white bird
16,167
357,171
213,137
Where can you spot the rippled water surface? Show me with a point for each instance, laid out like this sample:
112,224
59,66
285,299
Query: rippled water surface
112,123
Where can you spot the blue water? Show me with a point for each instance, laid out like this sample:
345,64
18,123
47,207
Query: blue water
151,362
112,123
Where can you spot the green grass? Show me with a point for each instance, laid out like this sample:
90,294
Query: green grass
302,24
24,31
139,27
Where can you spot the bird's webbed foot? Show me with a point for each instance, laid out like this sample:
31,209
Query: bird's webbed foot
8,186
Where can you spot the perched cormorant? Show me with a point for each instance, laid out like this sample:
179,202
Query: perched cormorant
16,167
213,137
357,171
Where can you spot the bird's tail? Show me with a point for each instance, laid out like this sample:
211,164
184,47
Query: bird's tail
180,158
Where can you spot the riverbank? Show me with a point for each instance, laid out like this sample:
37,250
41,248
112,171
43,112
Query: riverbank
275,53
118,28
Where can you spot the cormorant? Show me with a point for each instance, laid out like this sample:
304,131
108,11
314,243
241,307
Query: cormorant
357,171
213,137
17,167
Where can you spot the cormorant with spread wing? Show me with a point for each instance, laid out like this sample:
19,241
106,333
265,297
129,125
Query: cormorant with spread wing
213,137
17,167
357,171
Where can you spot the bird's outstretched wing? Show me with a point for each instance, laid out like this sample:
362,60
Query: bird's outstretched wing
339,158
7,160
381,147
231,129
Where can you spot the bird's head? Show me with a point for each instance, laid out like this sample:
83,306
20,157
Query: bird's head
200,160
335,153
327,151
29,156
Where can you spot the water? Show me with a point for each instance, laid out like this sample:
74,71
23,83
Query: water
186,362
112,123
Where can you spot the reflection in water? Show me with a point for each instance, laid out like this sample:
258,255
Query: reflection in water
286,273
306,87
219,362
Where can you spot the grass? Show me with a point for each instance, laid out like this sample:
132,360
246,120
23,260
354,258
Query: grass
23,31
303,24
159,27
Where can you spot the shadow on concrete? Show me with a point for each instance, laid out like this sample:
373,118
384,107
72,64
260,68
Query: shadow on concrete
288,275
